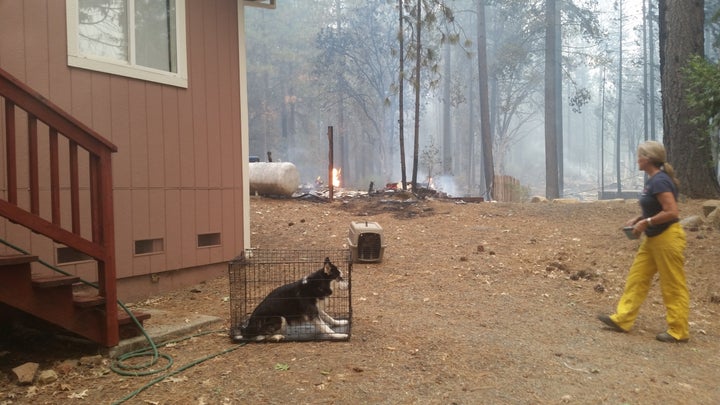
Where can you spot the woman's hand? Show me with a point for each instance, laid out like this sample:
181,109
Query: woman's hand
633,221
639,227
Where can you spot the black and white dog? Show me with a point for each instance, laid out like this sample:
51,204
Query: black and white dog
295,310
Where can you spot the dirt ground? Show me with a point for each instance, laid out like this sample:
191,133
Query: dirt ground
473,303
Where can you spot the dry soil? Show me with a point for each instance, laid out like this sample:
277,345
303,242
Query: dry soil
473,303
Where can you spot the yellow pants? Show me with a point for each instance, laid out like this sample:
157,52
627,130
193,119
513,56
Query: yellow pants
662,254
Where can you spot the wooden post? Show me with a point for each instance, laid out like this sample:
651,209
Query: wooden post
330,163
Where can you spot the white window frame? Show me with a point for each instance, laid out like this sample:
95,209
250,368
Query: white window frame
129,69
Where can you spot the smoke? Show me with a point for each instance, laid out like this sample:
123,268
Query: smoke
446,184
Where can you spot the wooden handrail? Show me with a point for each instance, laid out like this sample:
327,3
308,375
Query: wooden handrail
80,139
49,113
11,154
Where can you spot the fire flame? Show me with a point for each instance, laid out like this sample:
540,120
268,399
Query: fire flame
336,177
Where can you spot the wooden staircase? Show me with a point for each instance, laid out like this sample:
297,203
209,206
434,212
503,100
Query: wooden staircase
55,299
76,168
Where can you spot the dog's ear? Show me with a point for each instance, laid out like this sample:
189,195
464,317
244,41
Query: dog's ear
327,266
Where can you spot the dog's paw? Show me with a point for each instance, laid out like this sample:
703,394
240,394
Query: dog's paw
341,322
337,336
276,338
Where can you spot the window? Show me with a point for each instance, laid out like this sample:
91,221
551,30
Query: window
143,39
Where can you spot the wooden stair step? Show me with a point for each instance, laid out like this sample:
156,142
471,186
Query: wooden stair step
54,281
127,328
125,319
13,260
88,301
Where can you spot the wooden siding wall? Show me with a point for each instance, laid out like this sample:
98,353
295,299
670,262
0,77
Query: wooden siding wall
178,170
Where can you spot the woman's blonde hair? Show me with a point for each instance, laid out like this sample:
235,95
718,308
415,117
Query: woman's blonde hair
655,152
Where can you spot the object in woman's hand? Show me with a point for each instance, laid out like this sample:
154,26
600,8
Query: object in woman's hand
629,232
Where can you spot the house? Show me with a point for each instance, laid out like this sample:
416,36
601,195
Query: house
123,142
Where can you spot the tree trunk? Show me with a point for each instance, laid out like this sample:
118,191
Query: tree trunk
418,59
341,135
401,90
471,137
447,138
343,164
687,144
559,138
645,70
618,119
651,79
552,187
485,129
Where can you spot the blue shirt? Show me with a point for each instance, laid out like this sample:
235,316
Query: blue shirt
649,203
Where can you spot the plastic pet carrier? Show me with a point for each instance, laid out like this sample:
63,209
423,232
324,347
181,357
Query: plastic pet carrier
366,241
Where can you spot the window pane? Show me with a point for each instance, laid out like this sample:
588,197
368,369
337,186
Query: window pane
102,28
155,34
142,39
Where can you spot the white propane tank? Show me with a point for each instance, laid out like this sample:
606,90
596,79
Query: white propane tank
271,178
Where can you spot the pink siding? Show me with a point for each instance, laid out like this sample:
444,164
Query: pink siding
35,30
123,245
171,141
102,104
178,170
215,221
81,103
120,133
188,230
139,152
12,42
156,161
212,82
173,227
156,228
202,221
186,146
140,215
230,237
59,78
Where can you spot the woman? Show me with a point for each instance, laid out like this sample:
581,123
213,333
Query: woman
661,251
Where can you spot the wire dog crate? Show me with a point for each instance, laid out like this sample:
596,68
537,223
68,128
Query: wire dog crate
257,272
